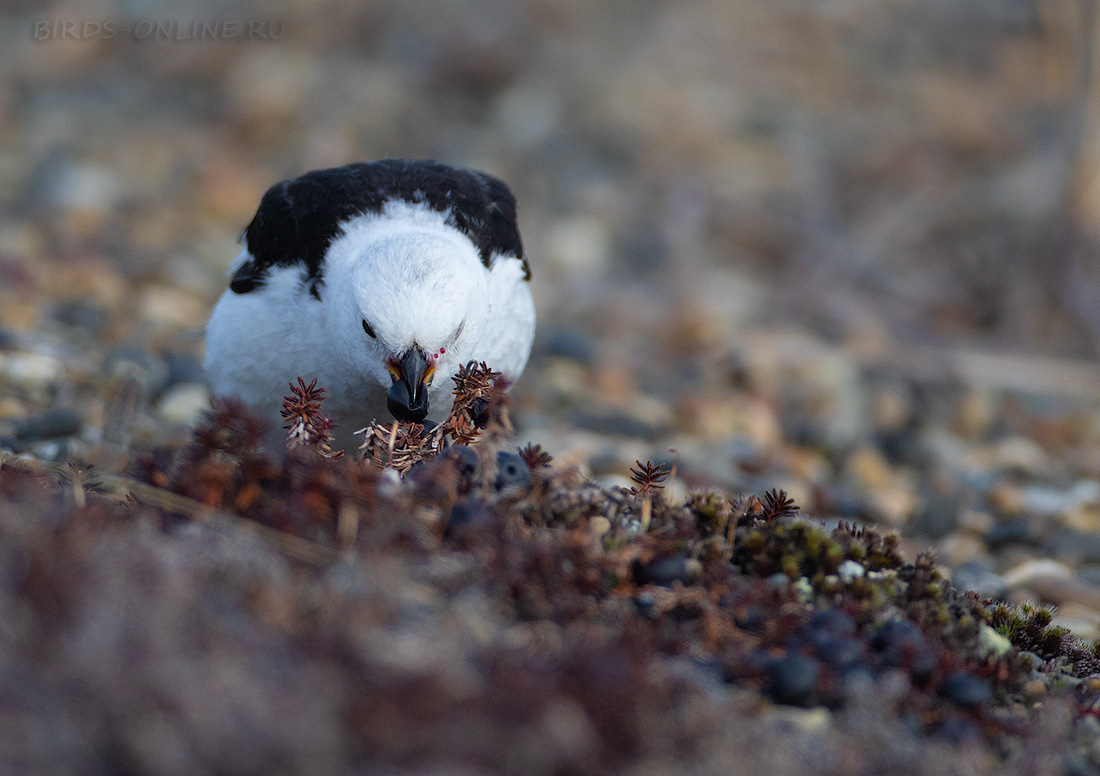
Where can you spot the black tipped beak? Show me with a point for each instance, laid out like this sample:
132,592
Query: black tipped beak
407,399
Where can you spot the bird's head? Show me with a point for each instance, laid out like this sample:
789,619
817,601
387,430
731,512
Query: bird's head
406,288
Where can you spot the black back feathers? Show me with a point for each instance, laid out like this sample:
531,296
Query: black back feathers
298,218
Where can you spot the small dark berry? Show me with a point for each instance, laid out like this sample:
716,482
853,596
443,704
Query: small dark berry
967,690
834,622
791,679
467,516
665,571
463,458
512,472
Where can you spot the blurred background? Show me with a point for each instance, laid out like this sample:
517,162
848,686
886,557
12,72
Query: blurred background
926,167
847,247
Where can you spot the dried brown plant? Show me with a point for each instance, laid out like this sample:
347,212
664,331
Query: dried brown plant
648,477
776,504
479,412
306,426
535,457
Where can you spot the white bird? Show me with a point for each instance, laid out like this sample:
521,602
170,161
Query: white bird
380,280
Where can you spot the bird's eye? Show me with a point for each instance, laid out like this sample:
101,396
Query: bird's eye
369,329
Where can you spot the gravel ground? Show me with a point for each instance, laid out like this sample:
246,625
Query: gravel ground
845,250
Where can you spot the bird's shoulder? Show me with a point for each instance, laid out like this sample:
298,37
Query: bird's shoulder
297,219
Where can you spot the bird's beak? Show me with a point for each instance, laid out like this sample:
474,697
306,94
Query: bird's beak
407,399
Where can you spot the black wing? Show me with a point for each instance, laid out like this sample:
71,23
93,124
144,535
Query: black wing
298,218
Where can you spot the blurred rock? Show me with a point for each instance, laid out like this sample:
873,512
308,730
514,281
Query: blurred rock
1053,582
974,414
1008,499
1075,547
792,679
991,643
54,424
183,368
1020,454
183,403
580,248
893,504
69,185
1016,530
937,515
566,341
975,575
30,368
666,571
959,548
968,690
136,362
868,469
170,307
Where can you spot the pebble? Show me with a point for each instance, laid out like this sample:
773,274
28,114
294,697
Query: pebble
1075,547
813,720
1009,500
1083,621
8,339
843,652
967,690
903,645
52,424
1035,690
791,679
975,412
70,185
867,467
1053,582
937,515
991,643
579,247
960,548
1032,570
975,521
1019,454
718,419
184,403
467,515
464,459
183,368
1014,530
833,621
599,526
960,730
893,504
850,570
608,421
666,571
32,369
513,473
565,341
890,409
137,362
976,576
1048,501
1084,518
169,307
10,408
81,314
